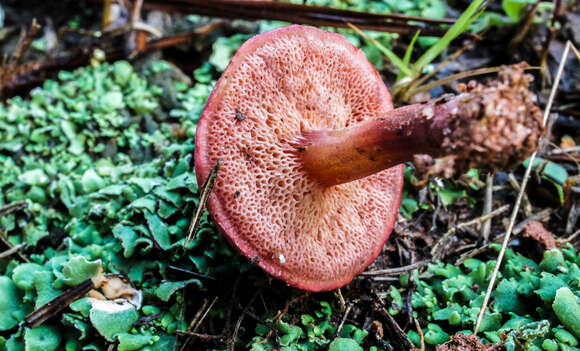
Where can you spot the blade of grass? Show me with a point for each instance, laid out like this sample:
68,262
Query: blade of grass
408,52
386,51
463,22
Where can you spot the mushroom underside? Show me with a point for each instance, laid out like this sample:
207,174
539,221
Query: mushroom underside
283,83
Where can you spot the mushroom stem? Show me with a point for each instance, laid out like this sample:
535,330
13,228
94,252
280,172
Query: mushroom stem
334,157
490,126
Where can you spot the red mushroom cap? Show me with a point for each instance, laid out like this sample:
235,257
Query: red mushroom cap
278,85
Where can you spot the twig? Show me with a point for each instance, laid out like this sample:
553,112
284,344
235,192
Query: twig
302,14
338,295
227,325
12,250
136,39
397,270
398,333
570,238
409,302
195,274
31,73
193,326
193,323
566,150
232,341
59,303
205,192
200,335
526,202
436,251
454,77
346,312
487,204
420,332
10,246
13,207
24,43
521,193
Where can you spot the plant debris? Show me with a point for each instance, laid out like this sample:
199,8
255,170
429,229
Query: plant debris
462,342
536,231
498,126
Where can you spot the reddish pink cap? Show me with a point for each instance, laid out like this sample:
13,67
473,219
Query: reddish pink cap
278,85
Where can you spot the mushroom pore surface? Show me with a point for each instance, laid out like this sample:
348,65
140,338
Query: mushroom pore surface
279,85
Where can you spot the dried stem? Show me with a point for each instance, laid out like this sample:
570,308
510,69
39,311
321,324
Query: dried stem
59,303
396,271
13,207
301,14
420,332
341,325
526,202
487,204
205,192
12,250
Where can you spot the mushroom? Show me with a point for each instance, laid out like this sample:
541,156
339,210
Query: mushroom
312,150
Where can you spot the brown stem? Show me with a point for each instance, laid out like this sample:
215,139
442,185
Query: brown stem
489,126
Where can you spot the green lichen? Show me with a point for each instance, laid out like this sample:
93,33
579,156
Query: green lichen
10,304
529,304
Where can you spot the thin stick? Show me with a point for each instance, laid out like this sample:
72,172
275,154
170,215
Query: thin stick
200,335
24,43
486,225
396,271
395,328
338,295
59,303
436,250
10,246
205,192
457,76
196,322
420,332
195,274
13,207
570,238
526,202
232,341
12,250
205,313
521,193
346,312
566,150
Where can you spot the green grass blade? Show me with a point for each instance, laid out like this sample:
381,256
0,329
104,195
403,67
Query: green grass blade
463,22
385,51
408,52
